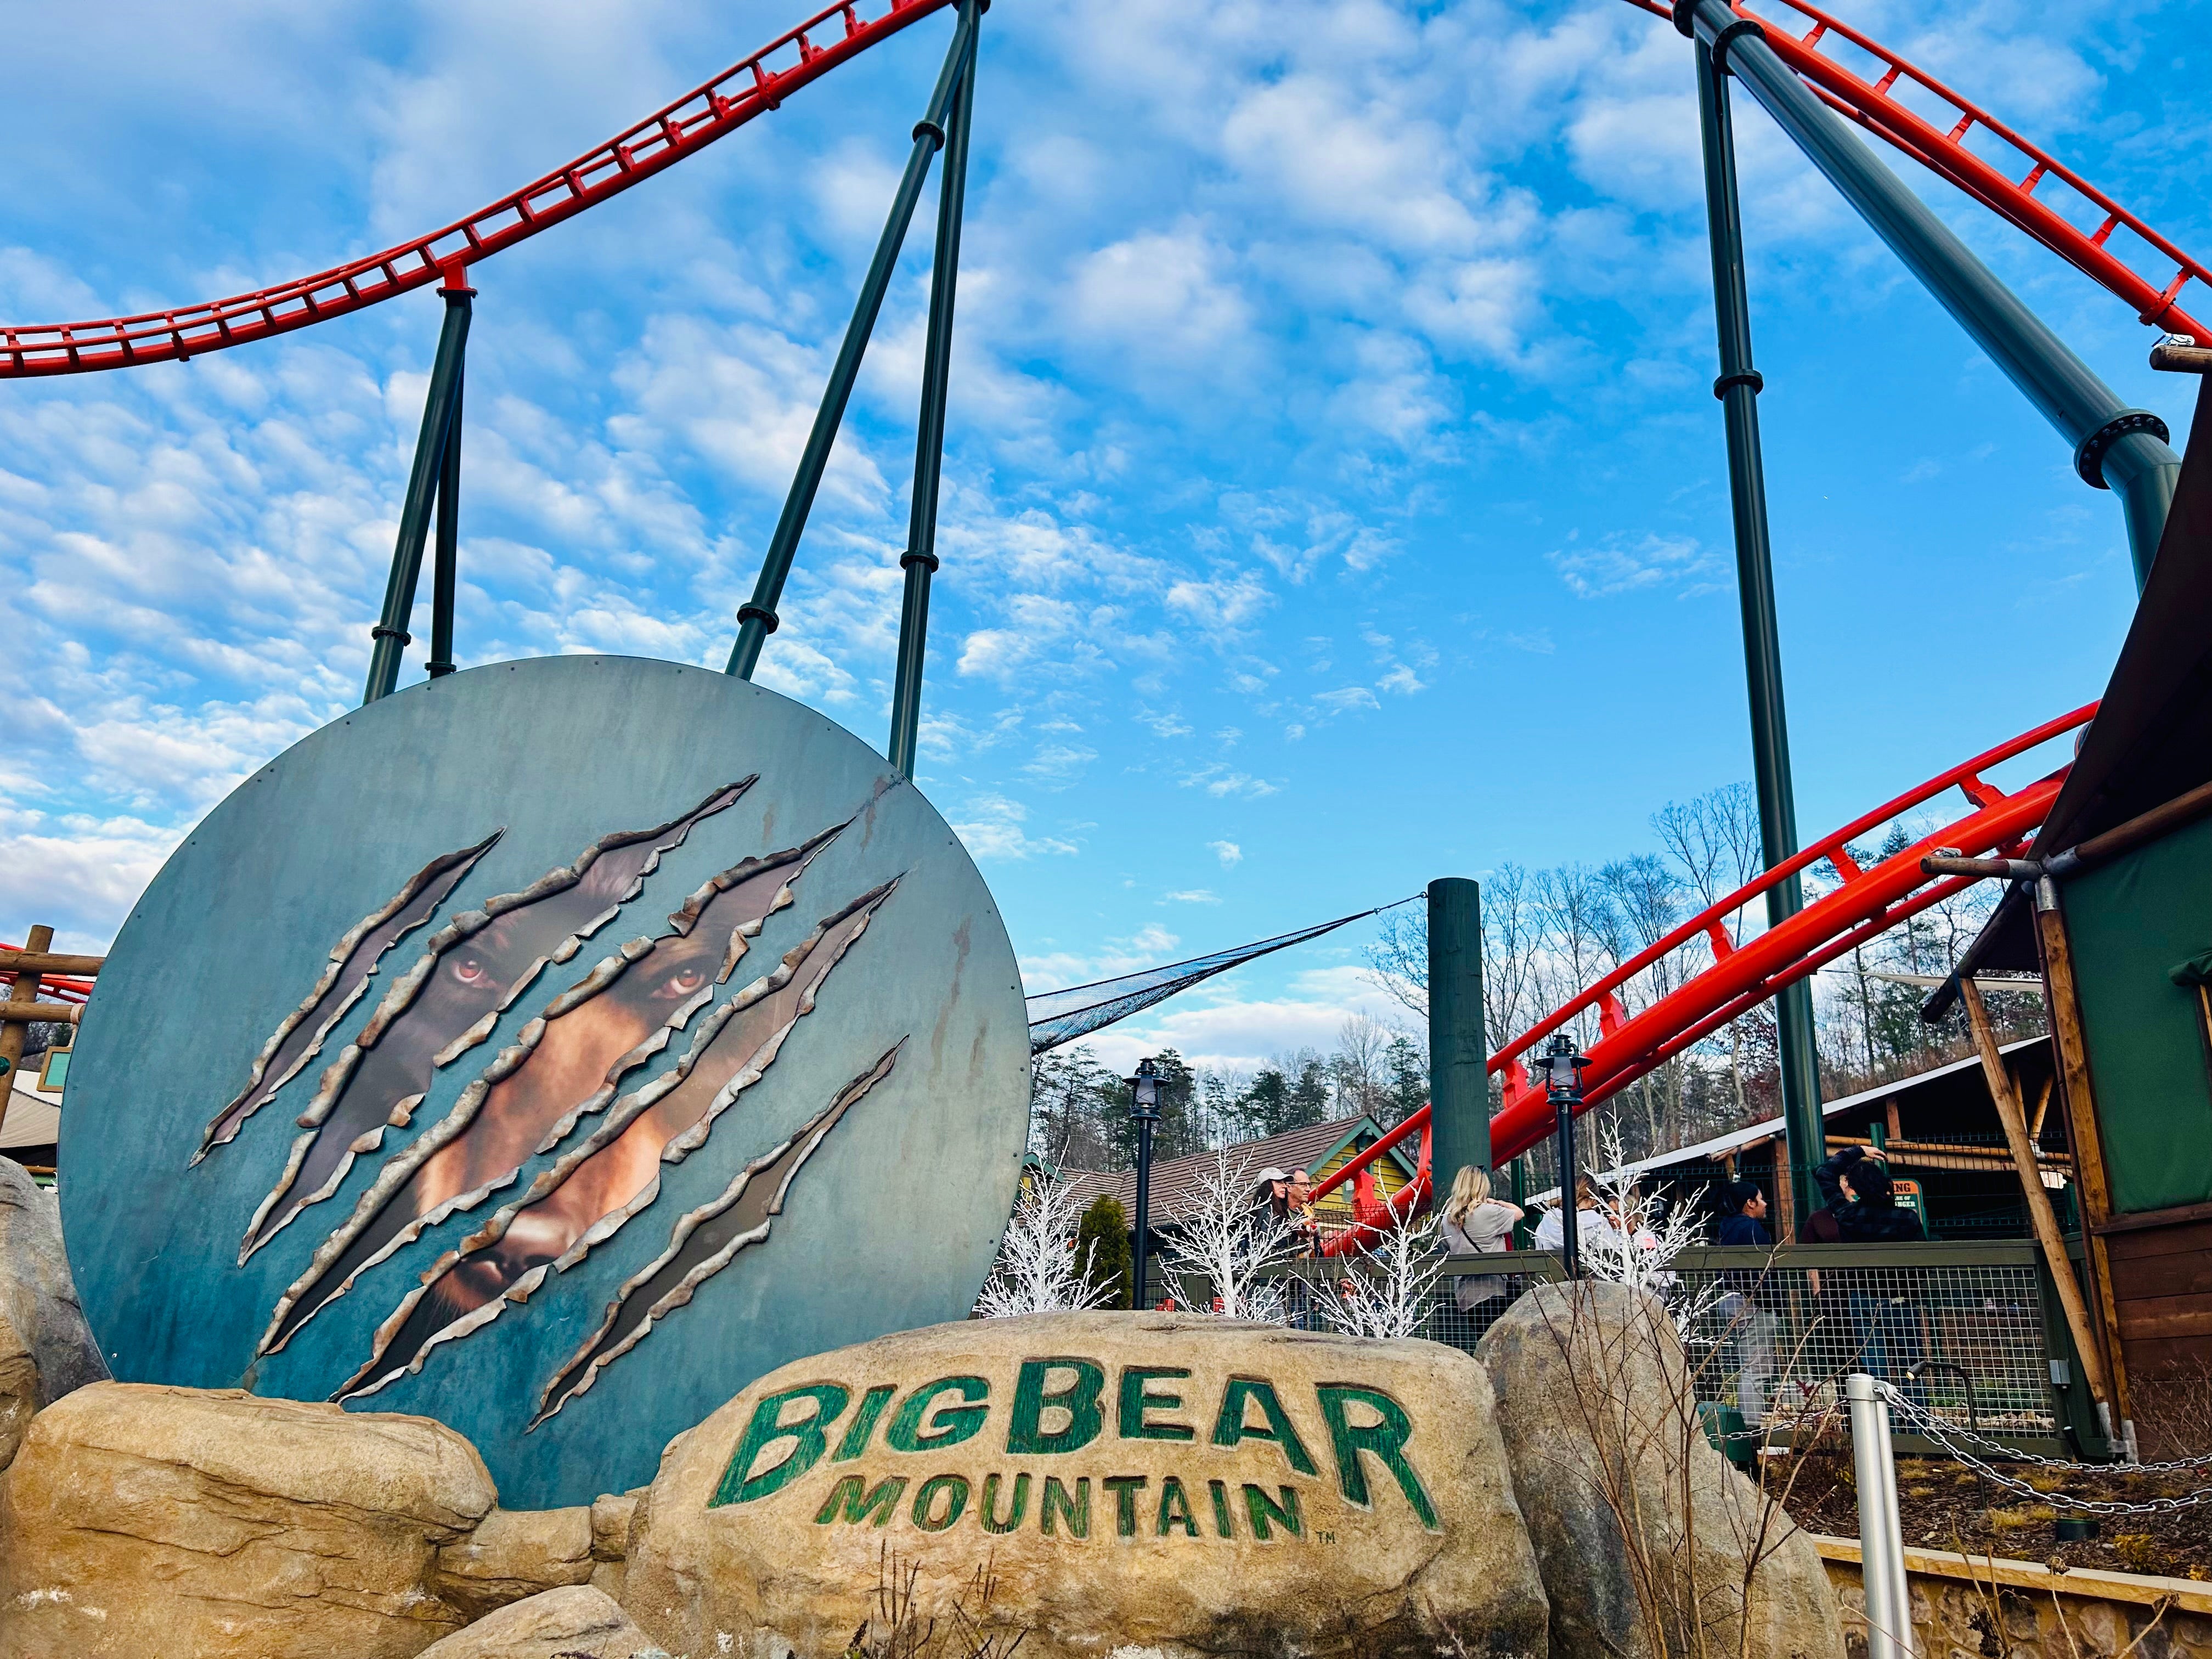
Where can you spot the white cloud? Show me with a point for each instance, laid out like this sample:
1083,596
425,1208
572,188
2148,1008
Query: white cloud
1193,895
1228,851
1625,564
991,828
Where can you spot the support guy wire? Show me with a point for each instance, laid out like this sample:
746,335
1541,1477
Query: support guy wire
920,560
1738,387
756,617
435,478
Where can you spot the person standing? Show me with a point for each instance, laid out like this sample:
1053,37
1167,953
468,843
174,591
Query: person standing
1475,1224
1742,1207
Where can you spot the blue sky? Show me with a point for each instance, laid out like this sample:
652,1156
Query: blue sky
1334,495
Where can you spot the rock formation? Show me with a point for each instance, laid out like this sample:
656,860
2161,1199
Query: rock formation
1086,1482
574,1623
46,1348
1595,1401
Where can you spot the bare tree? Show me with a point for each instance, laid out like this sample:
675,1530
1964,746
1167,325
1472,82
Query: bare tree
1226,1246
1361,1082
1038,1270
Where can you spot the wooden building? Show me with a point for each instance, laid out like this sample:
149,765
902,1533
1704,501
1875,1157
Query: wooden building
2119,925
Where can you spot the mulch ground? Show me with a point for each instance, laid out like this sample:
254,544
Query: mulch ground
1946,1506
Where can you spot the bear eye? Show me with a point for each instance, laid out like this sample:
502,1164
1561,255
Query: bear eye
683,980
470,969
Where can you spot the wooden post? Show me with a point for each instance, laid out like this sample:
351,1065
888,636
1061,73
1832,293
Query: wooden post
2092,1190
2038,1199
26,990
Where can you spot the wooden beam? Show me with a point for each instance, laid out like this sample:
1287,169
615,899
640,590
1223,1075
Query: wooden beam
2038,1200
2042,1107
14,1014
45,961
2093,1188
1890,1118
24,994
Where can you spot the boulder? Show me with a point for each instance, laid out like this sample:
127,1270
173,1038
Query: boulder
46,1350
140,1520
573,1622
514,1554
1090,1482
1595,1401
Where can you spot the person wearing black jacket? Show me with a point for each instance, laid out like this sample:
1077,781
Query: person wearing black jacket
1863,1209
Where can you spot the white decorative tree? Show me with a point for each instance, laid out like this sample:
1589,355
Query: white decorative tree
1637,1239
1225,1244
1388,1292
1038,1270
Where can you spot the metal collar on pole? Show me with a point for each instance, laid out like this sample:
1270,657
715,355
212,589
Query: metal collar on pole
2114,445
390,635
920,560
756,617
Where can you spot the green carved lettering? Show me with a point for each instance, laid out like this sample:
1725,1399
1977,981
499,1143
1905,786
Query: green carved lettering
1175,1510
1026,1434
1264,1509
925,1502
1221,1523
991,1522
1075,1510
863,1423
950,1426
1125,1488
739,1484
874,1506
1384,1439
1229,1428
1137,1402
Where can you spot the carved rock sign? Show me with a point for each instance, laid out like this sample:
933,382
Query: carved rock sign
551,1050
1090,1482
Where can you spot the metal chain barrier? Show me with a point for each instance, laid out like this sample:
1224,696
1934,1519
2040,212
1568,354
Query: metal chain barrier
1946,1436
2176,1465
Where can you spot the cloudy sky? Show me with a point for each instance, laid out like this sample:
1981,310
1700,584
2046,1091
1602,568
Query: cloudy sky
1334,495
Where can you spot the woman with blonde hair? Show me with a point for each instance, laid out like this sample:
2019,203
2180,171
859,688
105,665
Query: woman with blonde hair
1475,1224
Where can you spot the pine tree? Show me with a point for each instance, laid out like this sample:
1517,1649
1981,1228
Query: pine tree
1103,1241
1408,1088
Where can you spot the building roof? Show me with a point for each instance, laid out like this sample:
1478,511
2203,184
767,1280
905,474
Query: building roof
33,1116
1177,1182
1965,1074
2152,737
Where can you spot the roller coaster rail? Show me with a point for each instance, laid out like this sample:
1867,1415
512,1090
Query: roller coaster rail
750,88
1866,901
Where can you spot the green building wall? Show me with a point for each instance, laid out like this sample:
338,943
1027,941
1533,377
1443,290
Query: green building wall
2130,923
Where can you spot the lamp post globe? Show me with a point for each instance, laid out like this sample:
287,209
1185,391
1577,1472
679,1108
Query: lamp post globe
1562,1067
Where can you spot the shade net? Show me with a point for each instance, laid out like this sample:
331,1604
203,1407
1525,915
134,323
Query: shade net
1058,1016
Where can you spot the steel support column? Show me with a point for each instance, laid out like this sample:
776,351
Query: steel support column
920,559
2115,447
1459,1050
1738,387
439,416
756,617
444,565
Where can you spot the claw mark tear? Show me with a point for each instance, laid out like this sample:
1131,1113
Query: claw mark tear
704,1241
353,963
566,1064
470,971
586,1195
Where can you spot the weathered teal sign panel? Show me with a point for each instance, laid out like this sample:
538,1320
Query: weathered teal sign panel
551,1050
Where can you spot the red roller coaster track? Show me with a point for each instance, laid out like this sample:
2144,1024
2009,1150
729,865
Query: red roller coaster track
1865,903
1734,979
753,86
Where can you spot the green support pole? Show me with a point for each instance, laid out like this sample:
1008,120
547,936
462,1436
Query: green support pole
1459,1052
920,559
390,635
445,566
1738,388
756,617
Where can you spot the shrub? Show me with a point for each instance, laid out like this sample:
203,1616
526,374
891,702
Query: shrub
1104,1240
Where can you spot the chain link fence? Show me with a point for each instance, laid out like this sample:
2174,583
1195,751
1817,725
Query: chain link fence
1969,1335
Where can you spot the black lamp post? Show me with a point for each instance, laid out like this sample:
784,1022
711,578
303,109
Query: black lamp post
1563,1085
1143,1112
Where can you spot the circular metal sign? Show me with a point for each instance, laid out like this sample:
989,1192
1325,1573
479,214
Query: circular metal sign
551,1050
